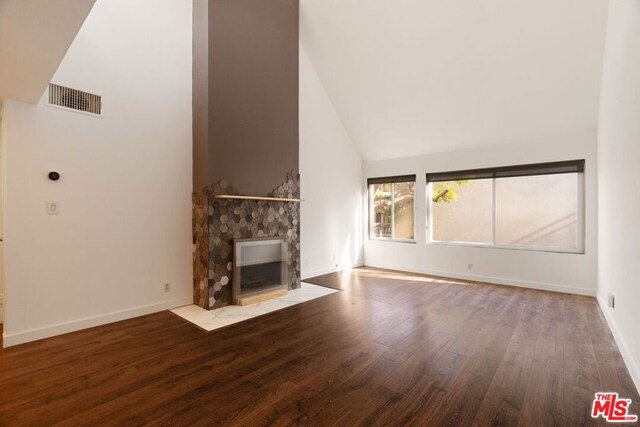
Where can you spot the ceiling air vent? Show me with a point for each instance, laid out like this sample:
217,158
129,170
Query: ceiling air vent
74,99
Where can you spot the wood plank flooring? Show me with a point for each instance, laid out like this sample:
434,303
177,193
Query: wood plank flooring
391,349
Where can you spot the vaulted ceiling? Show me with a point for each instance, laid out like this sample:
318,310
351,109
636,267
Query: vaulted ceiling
411,77
34,37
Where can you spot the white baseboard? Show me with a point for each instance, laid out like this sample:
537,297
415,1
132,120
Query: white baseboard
315,273
632,365
89,322
490,279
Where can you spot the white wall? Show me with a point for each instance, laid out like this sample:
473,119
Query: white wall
619,197
125,223
331,182
544,270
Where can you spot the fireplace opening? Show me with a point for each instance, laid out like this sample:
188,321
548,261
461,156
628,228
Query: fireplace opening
259,269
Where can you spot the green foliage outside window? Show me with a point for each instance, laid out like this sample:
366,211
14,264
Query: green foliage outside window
397,197
447,192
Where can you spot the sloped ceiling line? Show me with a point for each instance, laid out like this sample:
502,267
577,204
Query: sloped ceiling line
415,77
34,38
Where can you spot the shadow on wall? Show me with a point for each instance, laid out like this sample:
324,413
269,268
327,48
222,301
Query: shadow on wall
345,258
351,255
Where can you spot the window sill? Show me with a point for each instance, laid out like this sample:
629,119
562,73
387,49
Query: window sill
384,239
509,247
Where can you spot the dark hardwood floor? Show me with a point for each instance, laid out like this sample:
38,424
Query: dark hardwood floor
392,349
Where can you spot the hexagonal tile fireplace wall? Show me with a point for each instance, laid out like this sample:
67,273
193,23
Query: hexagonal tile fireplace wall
217,222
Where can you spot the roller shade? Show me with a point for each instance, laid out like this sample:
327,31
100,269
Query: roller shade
391,179
572,166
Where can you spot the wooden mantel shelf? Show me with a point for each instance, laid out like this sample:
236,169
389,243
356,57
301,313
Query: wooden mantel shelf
272,199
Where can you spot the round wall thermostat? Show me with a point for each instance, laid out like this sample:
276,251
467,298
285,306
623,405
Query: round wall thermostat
54,176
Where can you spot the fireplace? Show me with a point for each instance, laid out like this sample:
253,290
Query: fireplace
259,269
222,216
246,178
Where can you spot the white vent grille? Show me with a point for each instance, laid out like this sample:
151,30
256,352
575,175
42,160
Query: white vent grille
74,99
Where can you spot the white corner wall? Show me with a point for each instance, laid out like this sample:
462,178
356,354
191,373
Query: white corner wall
619,197
573,273
124,228
331,182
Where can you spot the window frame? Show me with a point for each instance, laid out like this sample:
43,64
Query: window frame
391,180
580,220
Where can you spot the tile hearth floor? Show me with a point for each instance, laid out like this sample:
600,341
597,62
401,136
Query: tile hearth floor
218,318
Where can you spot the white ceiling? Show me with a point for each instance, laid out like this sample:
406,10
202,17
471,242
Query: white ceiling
34,37
412,77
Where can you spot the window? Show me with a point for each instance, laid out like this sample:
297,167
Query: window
537,207
391,208
463,211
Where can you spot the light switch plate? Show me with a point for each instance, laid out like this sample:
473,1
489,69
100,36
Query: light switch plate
53,208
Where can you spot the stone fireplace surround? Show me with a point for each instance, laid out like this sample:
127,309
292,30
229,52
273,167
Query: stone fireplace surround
218,221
